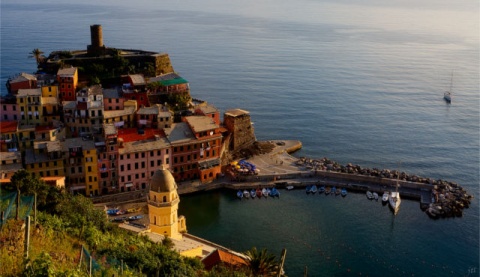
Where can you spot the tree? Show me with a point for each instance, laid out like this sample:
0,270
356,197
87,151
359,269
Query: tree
38,55
27,183
261,263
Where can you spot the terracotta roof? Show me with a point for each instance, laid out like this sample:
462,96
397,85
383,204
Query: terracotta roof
66,71
8,126
23,77
236,112
132,134
200,123
219,256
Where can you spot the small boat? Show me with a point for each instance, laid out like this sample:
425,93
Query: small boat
253,193
269,191
265,192
375,196
447,95
290,187
274,192
334,190
314,189
344,192
385,197
369,195
240,194
308,189
259,193
327,190
246,194
321,189
337,192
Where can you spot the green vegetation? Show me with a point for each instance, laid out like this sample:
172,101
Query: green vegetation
67,224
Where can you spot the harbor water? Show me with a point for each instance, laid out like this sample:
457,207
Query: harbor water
357,82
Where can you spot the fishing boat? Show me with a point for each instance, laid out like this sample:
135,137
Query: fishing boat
240,194
265,192
259,193
375,196
447,95
314,189
253,193
369,195
344,192
385,197
246,194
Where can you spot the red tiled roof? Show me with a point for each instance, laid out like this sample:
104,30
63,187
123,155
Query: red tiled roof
131,134
220,256
8,126
44,128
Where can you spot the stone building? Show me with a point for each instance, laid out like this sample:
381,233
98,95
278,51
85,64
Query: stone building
238,123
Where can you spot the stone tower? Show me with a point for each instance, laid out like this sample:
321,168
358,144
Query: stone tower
238,123
96,48
163,203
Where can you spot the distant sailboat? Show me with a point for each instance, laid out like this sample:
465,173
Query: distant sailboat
448,94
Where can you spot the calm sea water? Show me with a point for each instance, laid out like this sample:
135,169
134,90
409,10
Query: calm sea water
355,82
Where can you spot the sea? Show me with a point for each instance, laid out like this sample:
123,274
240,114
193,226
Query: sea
358,82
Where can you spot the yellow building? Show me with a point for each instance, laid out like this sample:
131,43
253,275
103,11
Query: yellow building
45,159
50,105
163,203
30,103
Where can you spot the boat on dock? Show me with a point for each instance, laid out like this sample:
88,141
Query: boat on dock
240,194
246,194
253,193
369,195
313,189
344,192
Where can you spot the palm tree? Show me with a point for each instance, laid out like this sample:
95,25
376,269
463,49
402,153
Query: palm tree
38,55
261,263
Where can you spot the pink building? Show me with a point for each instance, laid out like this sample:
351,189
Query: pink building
9,109
112,100
141,153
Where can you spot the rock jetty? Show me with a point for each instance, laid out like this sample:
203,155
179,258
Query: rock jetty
448,198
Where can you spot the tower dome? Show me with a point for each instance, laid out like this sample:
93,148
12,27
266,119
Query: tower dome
162,181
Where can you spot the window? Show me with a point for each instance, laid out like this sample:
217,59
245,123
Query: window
136,165
89,169
152,163
121,167
128,166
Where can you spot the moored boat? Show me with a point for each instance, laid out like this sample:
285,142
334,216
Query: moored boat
375,196
240,194
265,192
369,195
314,189
253,193
308,189
334,190
321,189
328,190
290,187
274,192
246,194
394,199
385,197
258,192
344,192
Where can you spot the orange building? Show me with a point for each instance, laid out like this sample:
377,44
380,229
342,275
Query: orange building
67,79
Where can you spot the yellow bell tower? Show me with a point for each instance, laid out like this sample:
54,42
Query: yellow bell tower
163,203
